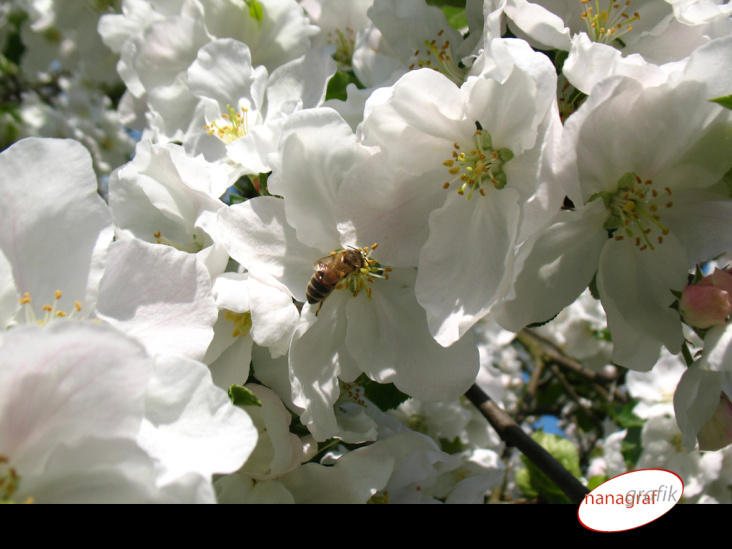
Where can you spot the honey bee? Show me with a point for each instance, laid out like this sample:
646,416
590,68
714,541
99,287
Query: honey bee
330,270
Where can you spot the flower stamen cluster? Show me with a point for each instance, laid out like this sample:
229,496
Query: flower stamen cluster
194,247
361,278
437,55
51,312
242,323
345,43
480,165
610,24
230,126
635,206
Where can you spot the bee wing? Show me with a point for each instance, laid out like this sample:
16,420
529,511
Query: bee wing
324,262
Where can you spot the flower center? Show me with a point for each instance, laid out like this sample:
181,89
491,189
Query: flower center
478,166
345,42
193,247
242,323
352,268
436,55
635,208
51,312
362,278
231,126
609,24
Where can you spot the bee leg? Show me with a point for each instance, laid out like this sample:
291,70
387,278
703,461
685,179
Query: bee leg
319,306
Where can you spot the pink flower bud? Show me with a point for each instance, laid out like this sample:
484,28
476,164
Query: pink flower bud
716,433
709,302
720,278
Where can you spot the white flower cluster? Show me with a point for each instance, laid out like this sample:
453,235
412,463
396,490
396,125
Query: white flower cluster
346,213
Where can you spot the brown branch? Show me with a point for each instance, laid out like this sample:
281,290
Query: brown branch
513,435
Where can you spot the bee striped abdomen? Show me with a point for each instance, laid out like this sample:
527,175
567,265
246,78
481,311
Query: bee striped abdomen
317,289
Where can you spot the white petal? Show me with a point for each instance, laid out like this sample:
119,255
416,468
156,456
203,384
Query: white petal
54,227
467,262
66,382
317,149
160,296
635,289
377,203
389,338
8,293
318,356
555,267
257,235
417,129
303,79
190,424
717,349
223,72
695,401
274,317
702,221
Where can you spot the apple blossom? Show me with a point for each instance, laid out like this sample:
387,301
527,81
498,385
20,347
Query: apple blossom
645,213
441,144
382,332
241,109
155,58
166,196
340,24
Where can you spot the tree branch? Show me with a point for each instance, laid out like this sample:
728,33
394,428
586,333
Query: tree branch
513,435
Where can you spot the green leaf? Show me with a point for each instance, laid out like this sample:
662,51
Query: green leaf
725,101
337,86
241,396
236,199
456,17
538,484
444,3
385,395
631,447
624,416
595,481
454,446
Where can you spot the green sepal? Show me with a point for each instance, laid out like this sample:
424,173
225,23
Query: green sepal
505,154
256,11
499,179
725,101
241,396
337,85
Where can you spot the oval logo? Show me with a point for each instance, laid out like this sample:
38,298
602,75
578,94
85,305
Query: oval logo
630,500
